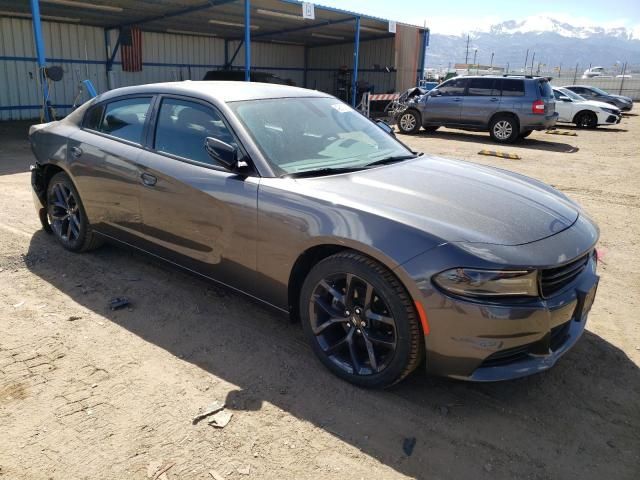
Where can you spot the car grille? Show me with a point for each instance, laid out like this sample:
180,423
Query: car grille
552,280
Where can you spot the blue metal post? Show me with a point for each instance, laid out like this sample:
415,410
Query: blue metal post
425,43
40,53
247,40
356,54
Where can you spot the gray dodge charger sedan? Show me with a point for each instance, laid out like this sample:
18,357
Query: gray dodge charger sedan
387,257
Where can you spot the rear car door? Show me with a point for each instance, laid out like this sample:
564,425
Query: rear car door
195,212
103,158
512,93
481,102
444,104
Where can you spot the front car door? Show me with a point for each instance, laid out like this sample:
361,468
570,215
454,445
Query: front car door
195,212
481,102
443,105
103,158
564,106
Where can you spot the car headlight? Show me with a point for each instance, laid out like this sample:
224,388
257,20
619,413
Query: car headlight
611,110
488,283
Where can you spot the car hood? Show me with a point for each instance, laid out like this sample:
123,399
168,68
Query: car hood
621,97
453,200
594,103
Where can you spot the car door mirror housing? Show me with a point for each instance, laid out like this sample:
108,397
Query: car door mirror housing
564,99
222,152
435,93
386,127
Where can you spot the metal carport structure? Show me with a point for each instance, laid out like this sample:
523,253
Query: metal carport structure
332,34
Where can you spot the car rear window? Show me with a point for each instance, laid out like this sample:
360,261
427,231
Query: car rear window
545,89
125,118
512,87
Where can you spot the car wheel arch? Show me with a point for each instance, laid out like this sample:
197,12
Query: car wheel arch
504,114
582,112
318,252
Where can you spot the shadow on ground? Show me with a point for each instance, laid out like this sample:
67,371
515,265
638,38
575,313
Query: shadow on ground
485,139
15,147
579,420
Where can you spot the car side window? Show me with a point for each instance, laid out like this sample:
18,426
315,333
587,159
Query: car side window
183,126
125,118
512,88
454,87
93,117
483,87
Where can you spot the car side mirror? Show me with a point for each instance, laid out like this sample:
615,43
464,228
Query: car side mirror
386,127
434,93
564,99
222,152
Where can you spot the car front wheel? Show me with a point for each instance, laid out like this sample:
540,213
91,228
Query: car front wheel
586,119
409,122
360,320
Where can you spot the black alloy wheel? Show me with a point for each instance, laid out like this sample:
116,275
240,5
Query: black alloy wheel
360,321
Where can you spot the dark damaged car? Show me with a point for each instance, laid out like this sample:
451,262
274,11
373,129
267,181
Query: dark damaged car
388,258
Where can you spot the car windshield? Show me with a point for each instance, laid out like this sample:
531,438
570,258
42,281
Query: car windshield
597,90
571,95
315,134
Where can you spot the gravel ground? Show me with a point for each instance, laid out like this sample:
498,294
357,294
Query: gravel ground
86,392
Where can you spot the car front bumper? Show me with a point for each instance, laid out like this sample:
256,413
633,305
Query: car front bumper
491,340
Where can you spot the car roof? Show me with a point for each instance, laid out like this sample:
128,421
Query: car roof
222,91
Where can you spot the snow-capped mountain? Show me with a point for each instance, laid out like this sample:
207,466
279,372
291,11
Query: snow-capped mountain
544,24
554,42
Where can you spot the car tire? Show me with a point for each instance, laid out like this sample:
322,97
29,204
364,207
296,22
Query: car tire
409,122
431,128
67,217
504,129
586,119
360,320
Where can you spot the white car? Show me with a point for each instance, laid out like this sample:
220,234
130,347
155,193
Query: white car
572,108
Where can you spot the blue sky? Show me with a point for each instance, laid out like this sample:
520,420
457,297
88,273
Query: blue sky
458,16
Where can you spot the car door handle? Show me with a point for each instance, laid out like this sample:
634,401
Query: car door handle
494,99
148,180
76,152
456,100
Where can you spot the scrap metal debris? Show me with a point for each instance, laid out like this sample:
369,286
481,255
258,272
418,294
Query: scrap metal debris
215,475
214,407
220,419
118,303
408,445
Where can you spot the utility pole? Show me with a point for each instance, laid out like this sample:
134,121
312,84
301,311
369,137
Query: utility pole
466,55
575,75
526,59
624,70
491,65
507,72
532,60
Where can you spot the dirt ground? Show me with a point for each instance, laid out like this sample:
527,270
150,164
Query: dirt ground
89,393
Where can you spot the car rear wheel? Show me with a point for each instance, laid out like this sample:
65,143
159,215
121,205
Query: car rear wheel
586,120
409,122
67,217
360,321
504,129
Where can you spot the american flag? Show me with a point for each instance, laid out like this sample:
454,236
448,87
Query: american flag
131,49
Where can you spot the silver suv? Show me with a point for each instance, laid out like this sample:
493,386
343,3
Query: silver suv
508,107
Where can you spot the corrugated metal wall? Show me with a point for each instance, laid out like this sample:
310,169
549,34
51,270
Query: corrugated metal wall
78,49
81,52
374,55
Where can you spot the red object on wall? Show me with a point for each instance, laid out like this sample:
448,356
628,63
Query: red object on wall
131,49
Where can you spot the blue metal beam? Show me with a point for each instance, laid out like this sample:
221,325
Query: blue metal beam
176,13
247,40
306,27
40,53
356,55
425,42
